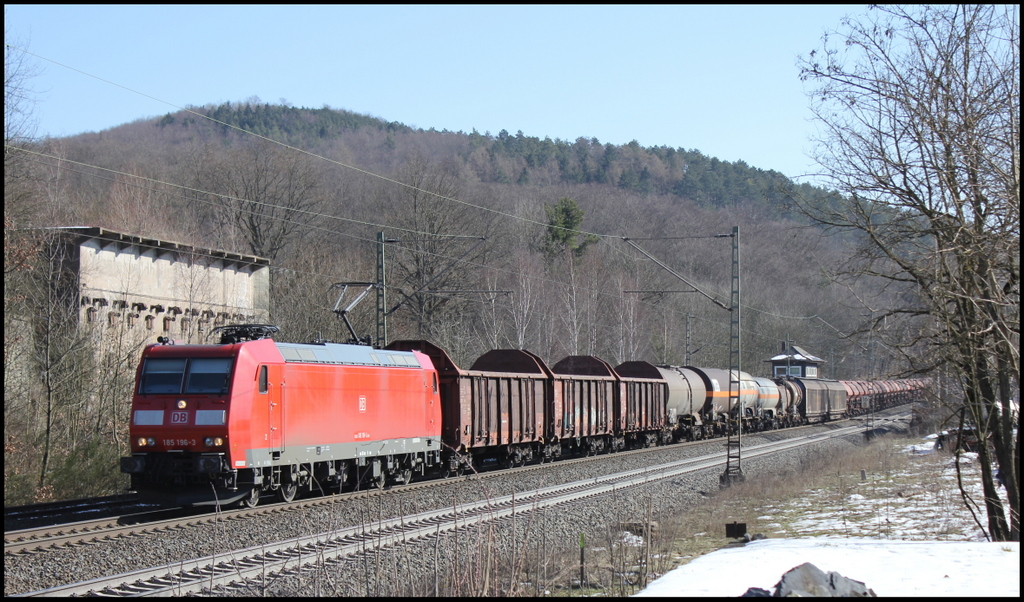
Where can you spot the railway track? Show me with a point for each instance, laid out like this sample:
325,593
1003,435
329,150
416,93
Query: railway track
232,570
52,536
48,513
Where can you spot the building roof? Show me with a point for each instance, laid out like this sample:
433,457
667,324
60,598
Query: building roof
797,354
126,240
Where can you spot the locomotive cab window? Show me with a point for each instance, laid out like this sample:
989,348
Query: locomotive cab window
162,376
208,375
263,380
204,376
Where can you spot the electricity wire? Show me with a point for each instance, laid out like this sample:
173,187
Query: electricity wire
602,237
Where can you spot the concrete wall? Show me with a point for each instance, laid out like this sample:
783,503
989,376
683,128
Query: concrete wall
167,289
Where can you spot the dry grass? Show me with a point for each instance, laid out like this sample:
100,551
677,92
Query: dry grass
536,556
770,505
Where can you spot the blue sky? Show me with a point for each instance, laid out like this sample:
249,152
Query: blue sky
720,79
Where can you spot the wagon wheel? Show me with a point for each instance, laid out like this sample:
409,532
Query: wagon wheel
251,500
286,492
450,472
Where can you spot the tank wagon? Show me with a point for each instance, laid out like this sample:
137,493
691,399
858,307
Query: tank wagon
231,422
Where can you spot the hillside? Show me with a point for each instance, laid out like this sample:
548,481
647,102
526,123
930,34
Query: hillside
207,182
502,158
493,242
316,213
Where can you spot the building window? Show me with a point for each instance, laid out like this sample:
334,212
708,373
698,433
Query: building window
812,372
112,318
131,320
149,322
90,315
167,323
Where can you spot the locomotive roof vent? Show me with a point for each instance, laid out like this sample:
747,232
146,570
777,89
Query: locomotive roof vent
236,333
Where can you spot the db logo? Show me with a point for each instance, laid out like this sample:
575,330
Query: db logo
179,417
362,403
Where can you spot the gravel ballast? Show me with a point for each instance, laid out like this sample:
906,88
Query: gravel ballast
450,565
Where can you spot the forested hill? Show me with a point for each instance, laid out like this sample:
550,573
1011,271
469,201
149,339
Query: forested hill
489,242
505,158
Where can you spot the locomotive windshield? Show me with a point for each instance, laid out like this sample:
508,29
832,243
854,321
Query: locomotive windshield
204,375
208,375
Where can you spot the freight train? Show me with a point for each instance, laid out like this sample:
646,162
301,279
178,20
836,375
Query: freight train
230,422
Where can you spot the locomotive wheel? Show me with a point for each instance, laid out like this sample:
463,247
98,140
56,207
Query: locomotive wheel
286,492
403,476
251,500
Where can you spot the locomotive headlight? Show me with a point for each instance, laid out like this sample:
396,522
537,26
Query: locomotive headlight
147,442
214,441
182,404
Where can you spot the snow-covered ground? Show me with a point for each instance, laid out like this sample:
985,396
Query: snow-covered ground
887,567
902,534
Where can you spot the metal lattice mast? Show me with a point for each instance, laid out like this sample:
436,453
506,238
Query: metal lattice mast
733,471
686,356
382,320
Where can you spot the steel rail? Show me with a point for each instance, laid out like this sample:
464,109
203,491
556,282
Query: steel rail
285,557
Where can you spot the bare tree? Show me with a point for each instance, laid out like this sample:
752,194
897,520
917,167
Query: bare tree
527,271
263,197
19,97
920,109
436,239
302,297
19,130
62,357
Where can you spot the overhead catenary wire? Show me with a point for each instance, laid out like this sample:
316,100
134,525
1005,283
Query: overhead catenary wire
602,237
299,150
363,239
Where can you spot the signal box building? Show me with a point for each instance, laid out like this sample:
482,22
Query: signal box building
795,361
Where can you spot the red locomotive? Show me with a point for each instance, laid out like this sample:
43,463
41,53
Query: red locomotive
216,424
222,423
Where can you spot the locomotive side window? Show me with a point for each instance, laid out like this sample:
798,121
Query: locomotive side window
434,378
162,376
208,375
263,379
